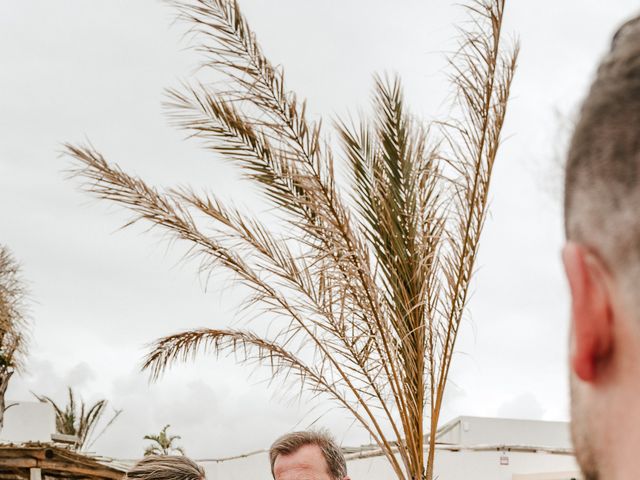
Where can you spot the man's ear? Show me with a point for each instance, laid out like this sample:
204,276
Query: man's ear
591,314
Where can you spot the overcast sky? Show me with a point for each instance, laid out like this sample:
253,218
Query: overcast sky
76,70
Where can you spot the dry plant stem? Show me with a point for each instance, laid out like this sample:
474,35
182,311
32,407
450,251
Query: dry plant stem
112,184
207,209
166,350
373,291
288,275
285,113
484,157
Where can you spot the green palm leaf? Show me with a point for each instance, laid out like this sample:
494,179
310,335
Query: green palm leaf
162,444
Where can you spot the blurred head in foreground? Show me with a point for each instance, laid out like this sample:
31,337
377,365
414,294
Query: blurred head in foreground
166,467
602,264
311,455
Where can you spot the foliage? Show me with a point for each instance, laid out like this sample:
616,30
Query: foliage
13,322
163,443
79,419
365,293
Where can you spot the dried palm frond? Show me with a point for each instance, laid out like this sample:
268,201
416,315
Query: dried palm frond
13,322
482,74
79,420
365,292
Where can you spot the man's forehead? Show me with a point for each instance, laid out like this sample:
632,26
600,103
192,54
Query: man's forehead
307,457
304,454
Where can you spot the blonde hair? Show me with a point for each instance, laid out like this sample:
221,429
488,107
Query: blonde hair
166,467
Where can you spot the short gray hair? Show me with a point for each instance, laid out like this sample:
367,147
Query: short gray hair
292,442
166,467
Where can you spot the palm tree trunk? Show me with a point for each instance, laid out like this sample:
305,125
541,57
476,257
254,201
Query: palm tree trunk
4,383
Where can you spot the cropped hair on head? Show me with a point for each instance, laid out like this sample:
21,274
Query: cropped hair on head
166,467
602,182
292,442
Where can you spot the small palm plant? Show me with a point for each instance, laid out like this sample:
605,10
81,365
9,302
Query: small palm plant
79,419
163,444
366,290
13,323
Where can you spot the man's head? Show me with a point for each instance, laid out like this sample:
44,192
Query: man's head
311,455
166,467
602,260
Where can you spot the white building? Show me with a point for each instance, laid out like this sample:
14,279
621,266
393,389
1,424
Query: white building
28,422
473,448
31,449
467,448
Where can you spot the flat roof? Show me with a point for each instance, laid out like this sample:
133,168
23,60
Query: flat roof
54,461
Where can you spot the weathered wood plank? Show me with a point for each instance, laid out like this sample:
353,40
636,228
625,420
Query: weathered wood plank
18,463
75,470
55,462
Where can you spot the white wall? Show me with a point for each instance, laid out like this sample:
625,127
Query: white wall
550,476
28,422
476,465
450,465
254,467
464,451
486,465
475,431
